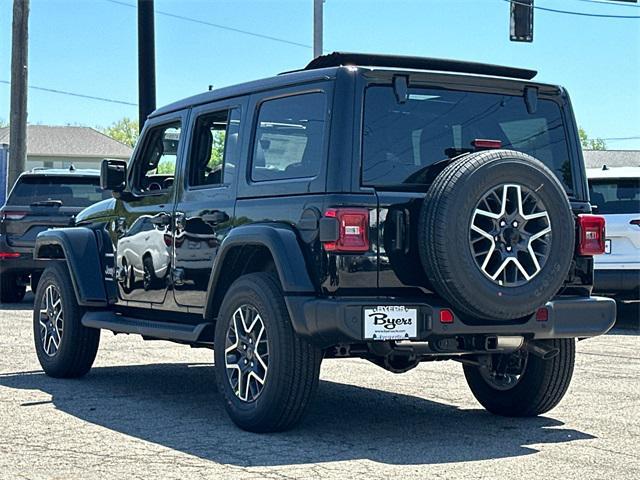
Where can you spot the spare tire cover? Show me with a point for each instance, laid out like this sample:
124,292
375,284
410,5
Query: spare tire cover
496,234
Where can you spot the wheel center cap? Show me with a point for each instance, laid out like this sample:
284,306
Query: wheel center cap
511,236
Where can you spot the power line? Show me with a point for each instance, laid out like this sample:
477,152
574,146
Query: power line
614,139
570,12
217,25
607,2
79,95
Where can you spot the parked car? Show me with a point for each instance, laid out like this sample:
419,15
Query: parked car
615,192
395,209
39,200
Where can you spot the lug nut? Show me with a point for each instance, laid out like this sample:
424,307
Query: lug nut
515,224
502,223
252,364
496,238
244,346
246,361
508,249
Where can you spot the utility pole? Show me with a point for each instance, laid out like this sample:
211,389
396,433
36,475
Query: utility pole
317,27
18,114
146,61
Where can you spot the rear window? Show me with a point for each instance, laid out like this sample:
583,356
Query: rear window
72,192
402,140
621,195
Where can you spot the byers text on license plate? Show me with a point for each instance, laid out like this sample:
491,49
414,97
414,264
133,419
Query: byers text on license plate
393,322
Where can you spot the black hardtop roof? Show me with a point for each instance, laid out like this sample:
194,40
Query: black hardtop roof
326,67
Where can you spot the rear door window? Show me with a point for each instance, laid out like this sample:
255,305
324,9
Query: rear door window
402,140
71,191
613,196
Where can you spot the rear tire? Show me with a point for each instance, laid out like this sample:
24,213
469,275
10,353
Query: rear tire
65,348
149,278
540,387
10,290
293,364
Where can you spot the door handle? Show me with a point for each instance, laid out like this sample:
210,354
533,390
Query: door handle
215,217
179,220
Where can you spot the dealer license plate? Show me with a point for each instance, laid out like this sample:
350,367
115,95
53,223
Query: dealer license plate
392,322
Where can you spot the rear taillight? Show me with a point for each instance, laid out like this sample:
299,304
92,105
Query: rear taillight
8,255
352,229
446,316
591,234
13,215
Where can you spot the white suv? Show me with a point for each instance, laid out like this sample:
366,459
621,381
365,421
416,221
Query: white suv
615,192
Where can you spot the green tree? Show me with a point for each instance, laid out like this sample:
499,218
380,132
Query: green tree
124,131
591,143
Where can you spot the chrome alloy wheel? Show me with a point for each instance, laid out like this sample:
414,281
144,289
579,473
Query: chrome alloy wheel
510,235
246,354
51,320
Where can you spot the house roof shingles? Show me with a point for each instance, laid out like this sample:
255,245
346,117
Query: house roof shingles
69,141
611,158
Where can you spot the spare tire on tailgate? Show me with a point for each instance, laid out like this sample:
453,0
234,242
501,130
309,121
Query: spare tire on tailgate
496,234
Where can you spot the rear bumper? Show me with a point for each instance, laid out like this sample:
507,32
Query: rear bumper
23,264
614,280
328,322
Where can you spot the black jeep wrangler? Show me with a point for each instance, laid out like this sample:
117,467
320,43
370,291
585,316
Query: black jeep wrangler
395,209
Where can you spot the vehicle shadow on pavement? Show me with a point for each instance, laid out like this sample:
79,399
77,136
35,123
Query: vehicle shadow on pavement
25,304
178,406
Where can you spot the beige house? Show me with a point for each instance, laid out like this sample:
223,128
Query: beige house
61,146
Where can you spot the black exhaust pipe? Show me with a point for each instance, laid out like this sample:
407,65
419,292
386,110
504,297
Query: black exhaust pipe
541,350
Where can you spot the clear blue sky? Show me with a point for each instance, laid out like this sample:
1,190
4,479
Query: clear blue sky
89,47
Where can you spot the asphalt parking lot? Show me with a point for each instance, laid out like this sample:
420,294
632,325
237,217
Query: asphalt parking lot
151,410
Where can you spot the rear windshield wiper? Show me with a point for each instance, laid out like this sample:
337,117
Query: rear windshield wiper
47,203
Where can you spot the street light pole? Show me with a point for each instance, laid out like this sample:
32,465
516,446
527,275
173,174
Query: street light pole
317,27
18,114
146,61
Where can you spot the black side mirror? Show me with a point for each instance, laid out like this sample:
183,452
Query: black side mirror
113,174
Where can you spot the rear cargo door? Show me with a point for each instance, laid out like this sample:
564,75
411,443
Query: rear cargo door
410,137
40,202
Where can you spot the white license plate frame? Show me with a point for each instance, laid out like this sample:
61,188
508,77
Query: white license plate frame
390,322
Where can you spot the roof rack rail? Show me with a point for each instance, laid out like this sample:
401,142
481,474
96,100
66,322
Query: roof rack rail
337,59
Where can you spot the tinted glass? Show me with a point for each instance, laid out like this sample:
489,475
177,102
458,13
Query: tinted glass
401,140
157,167
616,195
72,192
212,154
289,138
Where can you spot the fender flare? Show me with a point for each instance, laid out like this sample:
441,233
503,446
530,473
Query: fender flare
79,249
282,243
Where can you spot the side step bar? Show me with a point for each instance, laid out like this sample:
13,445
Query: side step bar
161,330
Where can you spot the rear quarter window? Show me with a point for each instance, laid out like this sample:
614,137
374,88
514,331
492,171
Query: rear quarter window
289,137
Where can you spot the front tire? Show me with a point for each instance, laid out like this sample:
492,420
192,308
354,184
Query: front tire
65,348
532,389
266,373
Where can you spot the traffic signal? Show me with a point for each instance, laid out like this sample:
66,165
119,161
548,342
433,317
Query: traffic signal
521,29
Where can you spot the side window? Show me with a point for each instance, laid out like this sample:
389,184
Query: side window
156,167
212,158
289,138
